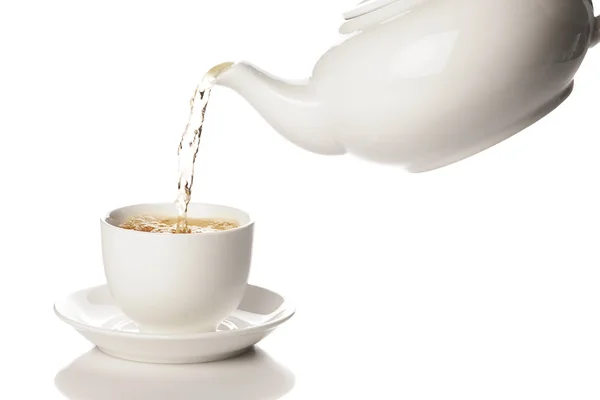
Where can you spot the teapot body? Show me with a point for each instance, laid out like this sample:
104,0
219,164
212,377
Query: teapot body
442,80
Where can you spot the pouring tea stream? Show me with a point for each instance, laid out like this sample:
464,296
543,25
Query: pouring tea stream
425,83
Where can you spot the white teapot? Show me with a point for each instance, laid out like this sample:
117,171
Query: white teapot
425,83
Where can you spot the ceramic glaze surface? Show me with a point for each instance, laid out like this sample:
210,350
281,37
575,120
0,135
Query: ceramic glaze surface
96,316
425,83
177,282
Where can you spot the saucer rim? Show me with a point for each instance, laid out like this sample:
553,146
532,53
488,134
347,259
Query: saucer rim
288,311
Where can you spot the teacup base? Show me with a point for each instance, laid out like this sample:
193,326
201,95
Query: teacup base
161,330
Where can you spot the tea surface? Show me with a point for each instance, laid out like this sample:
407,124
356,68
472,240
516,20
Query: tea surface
145,223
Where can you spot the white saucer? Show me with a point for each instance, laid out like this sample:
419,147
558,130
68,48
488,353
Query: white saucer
95,315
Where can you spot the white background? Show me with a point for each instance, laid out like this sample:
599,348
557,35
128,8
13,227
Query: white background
477,281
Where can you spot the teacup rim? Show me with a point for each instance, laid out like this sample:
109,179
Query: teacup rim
249,223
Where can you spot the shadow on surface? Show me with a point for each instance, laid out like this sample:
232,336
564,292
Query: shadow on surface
251,376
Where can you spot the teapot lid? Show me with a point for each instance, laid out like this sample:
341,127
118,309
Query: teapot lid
367,6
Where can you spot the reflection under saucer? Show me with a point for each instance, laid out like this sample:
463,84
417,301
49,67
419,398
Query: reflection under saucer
251,376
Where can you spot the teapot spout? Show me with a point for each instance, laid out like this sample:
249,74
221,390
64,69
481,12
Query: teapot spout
291,108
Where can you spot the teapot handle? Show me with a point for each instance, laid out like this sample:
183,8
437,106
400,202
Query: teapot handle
596,32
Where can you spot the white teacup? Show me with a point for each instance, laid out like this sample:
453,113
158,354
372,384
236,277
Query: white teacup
177,283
